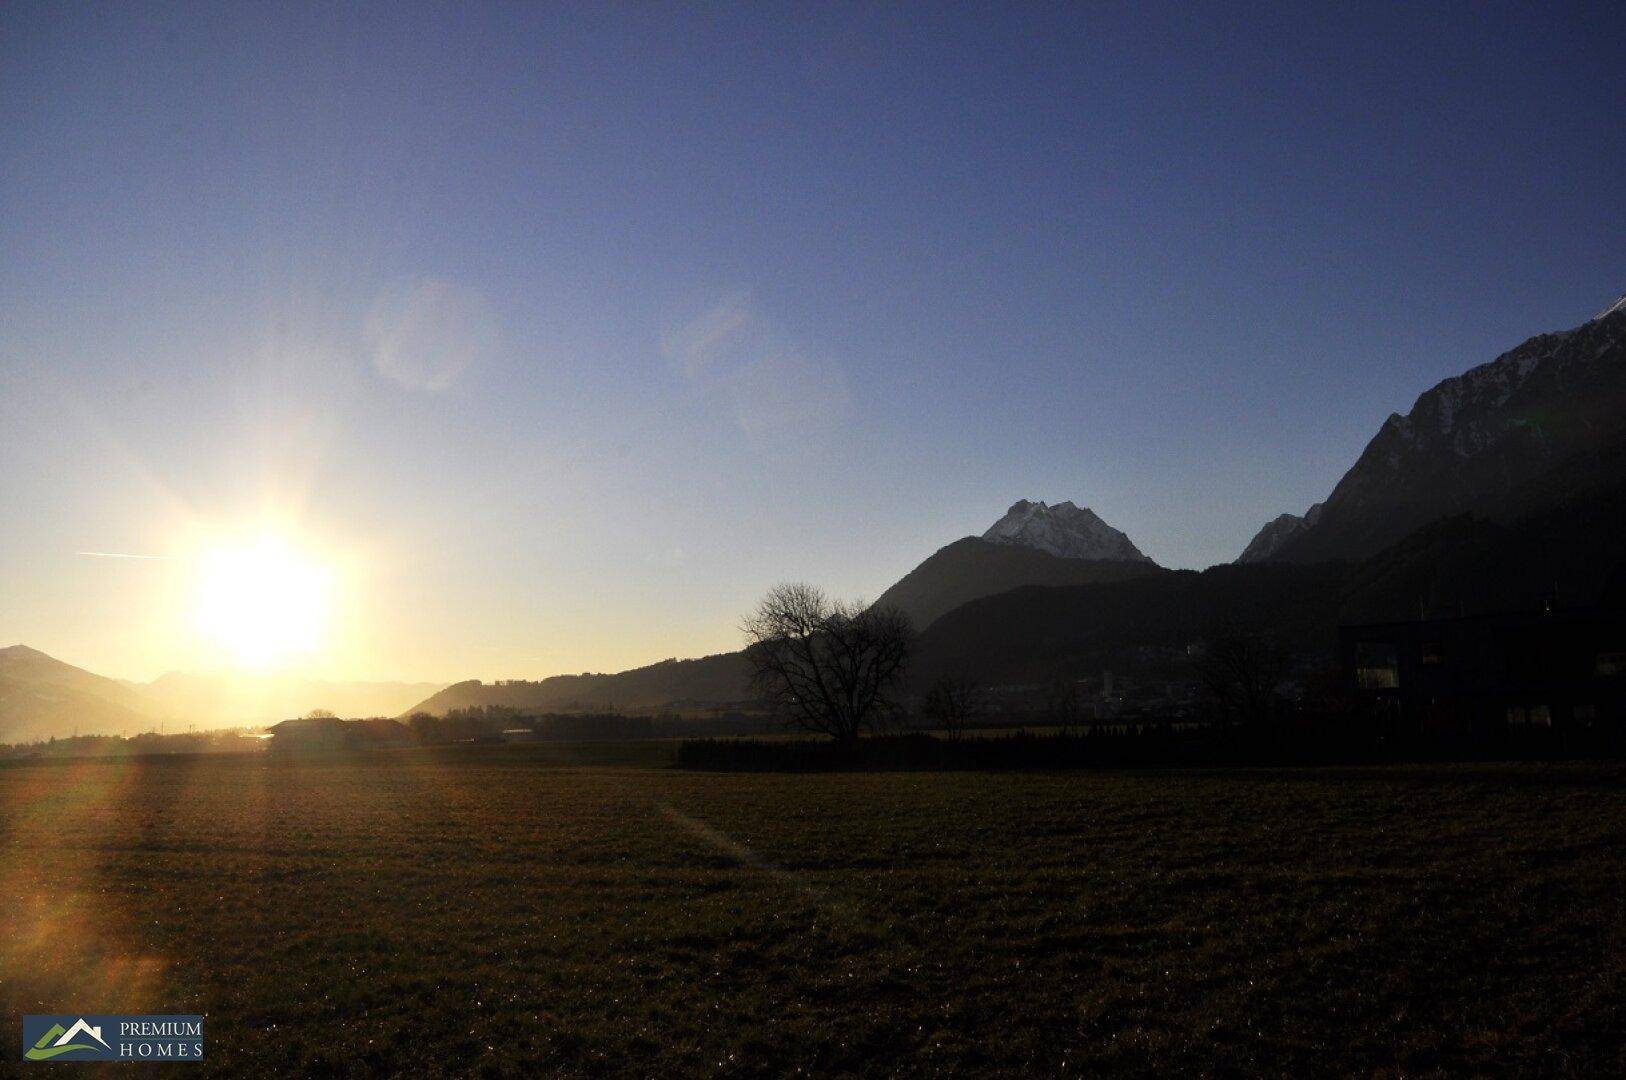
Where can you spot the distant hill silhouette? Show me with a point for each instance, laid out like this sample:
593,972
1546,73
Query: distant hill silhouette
1035,634
1019,554
719,679
971,568
42,697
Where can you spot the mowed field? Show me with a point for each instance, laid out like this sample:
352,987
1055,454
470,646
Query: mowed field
501,911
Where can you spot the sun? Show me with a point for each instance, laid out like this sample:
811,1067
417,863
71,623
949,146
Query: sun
265,603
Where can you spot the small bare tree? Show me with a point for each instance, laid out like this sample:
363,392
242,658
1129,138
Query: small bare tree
954,703
823,665
1240,669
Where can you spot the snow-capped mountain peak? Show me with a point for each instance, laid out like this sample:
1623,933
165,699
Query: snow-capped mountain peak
1072,532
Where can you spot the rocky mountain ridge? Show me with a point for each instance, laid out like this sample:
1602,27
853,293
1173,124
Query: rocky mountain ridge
1476,442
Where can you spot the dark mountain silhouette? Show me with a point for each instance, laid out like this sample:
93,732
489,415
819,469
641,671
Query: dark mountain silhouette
1570,553
1465,564
1277,534
1502,440
1036,634
972,568
1023,548
1032,544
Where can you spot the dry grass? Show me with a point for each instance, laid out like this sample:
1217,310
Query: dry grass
492,910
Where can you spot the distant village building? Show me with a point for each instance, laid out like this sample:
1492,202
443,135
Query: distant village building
1561,670
308,733
331,733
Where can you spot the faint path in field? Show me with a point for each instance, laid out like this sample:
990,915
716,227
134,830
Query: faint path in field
746,857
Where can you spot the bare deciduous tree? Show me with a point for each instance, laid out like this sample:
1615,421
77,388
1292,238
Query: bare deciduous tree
824,665
1240,669
954,703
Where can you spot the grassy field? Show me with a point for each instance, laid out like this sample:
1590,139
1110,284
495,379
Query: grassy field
503,911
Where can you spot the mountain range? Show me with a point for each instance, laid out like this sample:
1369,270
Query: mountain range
1501,487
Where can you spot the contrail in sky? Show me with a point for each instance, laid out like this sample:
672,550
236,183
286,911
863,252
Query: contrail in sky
117,555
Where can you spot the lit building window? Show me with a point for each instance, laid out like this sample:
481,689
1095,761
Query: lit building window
1376,667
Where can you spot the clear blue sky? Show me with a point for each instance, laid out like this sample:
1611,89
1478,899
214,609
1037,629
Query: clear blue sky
585,323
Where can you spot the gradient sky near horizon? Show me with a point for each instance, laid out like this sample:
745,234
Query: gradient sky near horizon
563,331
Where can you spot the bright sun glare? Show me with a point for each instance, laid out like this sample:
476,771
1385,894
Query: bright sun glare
264,603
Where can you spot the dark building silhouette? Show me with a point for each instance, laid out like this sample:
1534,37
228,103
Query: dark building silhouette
331,733
1562,670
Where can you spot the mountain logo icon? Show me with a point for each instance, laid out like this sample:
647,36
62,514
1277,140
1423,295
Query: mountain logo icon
59,1042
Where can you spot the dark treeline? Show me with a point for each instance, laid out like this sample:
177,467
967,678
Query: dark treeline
228,741
1133,746
495,724
322,731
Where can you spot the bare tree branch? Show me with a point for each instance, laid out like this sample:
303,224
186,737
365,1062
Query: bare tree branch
823,665
954,703
1240,670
